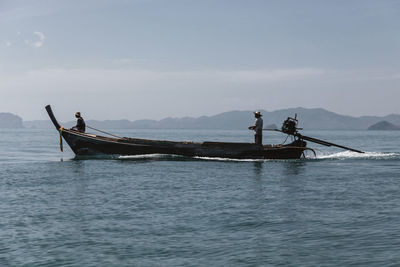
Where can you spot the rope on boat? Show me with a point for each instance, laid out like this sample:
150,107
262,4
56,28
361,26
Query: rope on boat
103,132
312,150
285,140
61,141
304,149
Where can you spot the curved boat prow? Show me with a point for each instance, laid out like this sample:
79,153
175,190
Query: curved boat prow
53,119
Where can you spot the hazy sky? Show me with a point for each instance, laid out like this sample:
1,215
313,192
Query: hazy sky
121,59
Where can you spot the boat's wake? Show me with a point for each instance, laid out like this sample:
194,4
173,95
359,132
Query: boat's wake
320,156
354,155
152,157
228,159
182,158
346,155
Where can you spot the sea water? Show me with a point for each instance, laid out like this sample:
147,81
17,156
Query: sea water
337,208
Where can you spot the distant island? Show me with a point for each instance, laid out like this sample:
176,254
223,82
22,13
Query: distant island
9,120
384,126
309,119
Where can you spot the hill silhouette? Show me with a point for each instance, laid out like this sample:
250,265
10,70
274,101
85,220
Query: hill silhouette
9,120
310,119
384,126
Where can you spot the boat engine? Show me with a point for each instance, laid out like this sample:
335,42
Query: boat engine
289,126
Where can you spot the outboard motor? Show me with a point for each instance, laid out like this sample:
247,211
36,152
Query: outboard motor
289,126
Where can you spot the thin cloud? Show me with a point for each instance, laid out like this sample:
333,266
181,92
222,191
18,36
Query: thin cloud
90,80
202,92
38,43
122,61
129,77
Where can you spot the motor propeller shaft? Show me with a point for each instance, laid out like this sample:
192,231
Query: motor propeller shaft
289,127
325,143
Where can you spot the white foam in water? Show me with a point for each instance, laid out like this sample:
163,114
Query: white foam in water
149,156
355,155
228,159
321,155
171,156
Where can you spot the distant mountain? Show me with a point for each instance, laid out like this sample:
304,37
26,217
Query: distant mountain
271,126
384,126
38,124
9,120
309,119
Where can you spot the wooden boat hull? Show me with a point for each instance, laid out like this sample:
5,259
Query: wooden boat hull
90,144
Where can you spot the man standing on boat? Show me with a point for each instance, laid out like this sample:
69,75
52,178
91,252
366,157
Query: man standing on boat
257,127
80,123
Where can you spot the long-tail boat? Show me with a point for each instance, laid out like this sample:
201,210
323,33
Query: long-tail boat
90,144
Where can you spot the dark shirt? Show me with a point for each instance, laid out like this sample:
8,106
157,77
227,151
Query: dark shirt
80,125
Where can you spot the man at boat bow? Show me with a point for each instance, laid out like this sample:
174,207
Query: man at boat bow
80,123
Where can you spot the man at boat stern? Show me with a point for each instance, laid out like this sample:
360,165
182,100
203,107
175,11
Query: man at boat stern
80,123
257,127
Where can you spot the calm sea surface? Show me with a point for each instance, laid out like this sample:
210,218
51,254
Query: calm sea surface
337,209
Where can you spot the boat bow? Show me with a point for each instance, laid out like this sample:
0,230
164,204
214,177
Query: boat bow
53,119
